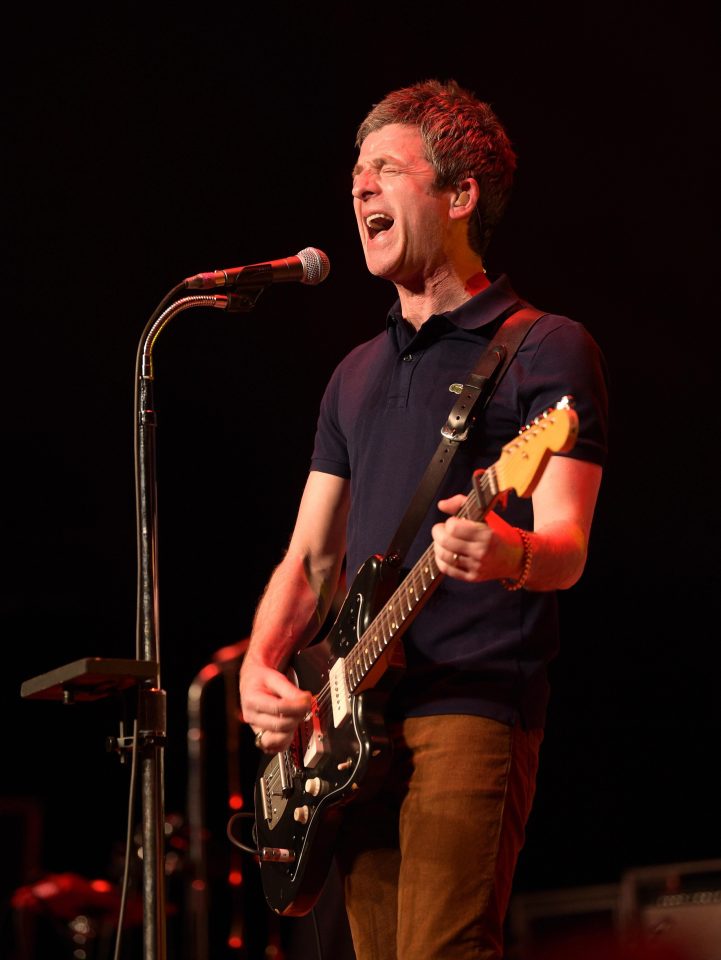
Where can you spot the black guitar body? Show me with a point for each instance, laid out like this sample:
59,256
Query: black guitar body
300,794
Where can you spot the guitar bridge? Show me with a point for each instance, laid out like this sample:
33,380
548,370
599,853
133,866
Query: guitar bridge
275,786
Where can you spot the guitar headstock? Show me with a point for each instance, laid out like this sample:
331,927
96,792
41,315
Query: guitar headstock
524,459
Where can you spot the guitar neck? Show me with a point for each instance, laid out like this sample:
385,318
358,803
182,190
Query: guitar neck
414,590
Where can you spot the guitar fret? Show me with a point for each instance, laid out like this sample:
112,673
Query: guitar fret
409,593
407,596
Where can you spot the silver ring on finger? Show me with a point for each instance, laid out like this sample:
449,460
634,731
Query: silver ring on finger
258,738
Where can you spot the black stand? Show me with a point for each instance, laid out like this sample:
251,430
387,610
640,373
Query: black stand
225,665
93,678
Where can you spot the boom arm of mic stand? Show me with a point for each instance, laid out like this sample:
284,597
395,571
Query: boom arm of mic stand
152,730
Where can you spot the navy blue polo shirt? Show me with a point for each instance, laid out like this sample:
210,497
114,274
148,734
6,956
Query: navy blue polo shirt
473,648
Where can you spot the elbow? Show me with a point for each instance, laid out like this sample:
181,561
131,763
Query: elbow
572,571
560,558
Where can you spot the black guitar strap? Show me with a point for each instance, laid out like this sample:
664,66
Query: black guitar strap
475,395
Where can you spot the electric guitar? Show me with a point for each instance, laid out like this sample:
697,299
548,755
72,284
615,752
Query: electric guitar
341,750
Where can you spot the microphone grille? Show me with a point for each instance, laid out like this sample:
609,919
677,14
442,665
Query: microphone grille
316,265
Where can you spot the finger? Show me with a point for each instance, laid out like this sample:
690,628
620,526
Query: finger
451,545
466,531
452,504
457,565
269,742
446,560
275,714
277,683
278,731
269,692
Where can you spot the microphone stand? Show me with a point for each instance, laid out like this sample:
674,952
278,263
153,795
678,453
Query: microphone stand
152,727
94,677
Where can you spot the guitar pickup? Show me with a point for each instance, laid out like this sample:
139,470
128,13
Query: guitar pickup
313,737
339,696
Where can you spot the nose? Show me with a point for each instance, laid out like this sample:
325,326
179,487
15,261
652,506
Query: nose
365,185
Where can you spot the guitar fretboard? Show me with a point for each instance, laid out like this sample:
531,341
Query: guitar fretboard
416,587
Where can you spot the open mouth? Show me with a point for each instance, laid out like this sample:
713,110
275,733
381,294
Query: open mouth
378,223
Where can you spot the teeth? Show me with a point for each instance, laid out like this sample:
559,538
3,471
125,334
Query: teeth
379,221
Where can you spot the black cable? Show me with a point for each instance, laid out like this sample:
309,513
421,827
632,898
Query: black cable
229,832
128,841
316,928
254,850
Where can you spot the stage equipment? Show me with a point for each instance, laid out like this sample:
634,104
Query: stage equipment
678,903
540,919
309,265
95,677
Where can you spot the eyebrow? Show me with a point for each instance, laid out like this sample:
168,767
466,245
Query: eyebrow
377,163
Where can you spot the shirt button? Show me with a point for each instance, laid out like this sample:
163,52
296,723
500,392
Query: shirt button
407,356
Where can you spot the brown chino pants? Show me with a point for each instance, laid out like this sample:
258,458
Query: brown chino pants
429,862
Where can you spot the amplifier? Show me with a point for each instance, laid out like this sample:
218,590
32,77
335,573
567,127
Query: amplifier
678,903
539,922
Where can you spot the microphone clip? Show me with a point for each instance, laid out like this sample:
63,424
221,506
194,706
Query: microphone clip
242,302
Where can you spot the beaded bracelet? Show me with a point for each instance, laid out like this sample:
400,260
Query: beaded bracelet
525,564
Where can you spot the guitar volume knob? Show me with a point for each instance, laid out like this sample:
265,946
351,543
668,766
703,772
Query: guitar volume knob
301,814
314,786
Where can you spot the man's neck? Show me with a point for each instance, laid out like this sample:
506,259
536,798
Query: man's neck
439,296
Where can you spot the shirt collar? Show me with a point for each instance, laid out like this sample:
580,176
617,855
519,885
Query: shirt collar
481,309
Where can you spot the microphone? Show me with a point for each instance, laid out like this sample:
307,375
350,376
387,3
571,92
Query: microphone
309,265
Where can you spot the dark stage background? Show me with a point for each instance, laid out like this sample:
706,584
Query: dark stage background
149,147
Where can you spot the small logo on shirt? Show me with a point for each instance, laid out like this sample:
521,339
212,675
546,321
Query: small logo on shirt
456,388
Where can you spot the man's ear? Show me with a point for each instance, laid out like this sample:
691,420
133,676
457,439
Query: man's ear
465,198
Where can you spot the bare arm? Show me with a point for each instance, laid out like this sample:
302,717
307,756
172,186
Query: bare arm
292,609
563,506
